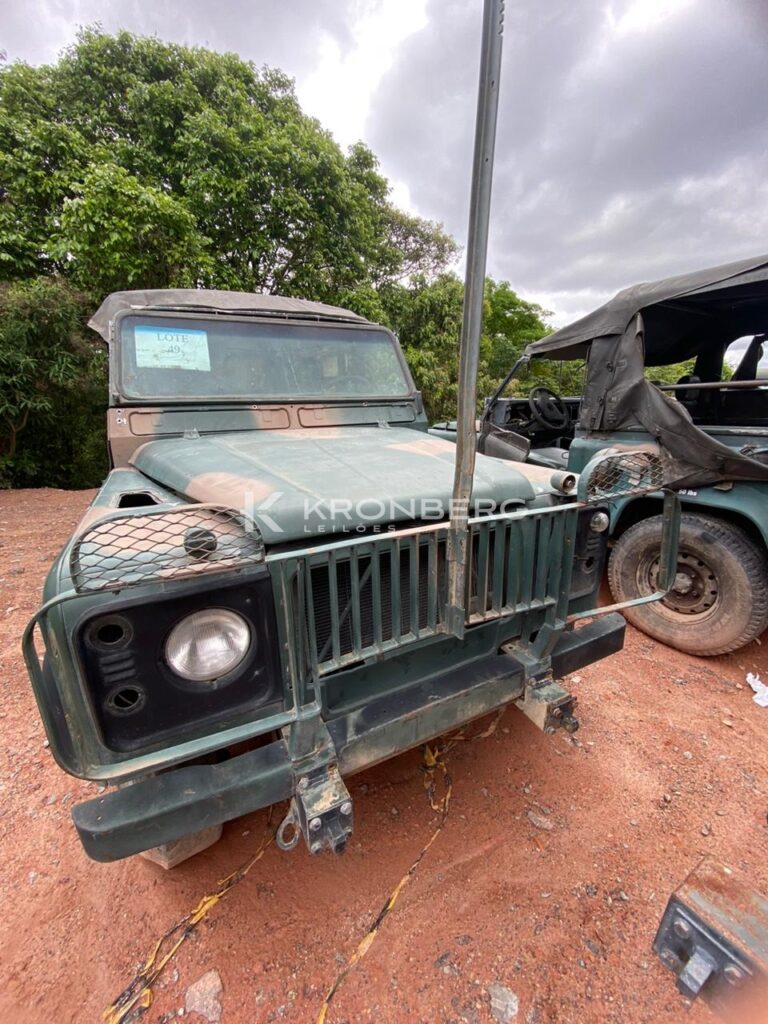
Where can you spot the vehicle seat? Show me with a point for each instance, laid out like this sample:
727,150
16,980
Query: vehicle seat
503,444
552,458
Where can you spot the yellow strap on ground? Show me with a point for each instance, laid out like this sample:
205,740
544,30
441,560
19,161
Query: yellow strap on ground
433,760
137,996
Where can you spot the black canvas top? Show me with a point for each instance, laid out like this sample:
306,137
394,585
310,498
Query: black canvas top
572,342
654,324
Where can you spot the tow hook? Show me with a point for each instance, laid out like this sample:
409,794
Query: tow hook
549,706
321,811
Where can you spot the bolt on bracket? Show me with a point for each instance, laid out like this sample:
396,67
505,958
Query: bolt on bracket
714,937
321,810
548,706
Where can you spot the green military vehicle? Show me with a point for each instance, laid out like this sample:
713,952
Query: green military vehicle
710,429
255,605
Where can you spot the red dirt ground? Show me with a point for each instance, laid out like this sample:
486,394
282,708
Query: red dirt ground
669,765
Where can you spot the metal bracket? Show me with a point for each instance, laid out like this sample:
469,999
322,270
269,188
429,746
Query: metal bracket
714,937
321,811
549,706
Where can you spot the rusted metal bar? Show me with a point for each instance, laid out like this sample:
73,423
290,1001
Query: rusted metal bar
477,249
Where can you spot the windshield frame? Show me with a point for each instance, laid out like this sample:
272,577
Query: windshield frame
118,393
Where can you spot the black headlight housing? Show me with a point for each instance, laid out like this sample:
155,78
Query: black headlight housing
590,553
138,701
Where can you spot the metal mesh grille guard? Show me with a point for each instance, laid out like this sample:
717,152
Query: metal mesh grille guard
627,473
179,543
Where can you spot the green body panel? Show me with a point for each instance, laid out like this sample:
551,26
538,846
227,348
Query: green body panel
298,483
733,500
736,500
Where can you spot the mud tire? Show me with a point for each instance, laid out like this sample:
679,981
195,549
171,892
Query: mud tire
727,568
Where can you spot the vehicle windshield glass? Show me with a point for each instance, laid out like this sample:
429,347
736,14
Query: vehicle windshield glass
199,357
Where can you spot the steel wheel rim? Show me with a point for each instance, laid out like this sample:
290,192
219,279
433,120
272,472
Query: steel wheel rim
695,593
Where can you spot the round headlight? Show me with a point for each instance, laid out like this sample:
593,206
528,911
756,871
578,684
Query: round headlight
208,644
599,522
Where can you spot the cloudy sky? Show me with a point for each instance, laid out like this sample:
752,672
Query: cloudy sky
633,134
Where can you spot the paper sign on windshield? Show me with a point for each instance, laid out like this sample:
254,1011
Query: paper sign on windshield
171,348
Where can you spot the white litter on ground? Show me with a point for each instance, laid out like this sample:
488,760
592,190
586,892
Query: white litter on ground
761,690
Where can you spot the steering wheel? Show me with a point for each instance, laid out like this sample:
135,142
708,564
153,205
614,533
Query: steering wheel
548,409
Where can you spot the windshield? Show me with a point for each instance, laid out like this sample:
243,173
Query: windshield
199,357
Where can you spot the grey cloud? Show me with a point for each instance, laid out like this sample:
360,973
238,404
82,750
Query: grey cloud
620,157
275,32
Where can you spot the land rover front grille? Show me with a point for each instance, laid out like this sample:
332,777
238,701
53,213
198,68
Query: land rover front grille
349,605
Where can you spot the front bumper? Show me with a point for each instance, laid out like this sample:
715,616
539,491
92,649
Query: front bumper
167,806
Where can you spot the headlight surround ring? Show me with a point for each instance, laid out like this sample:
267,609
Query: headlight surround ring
207,645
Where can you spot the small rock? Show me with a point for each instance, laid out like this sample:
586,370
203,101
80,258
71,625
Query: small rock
706,829
634,823
485,791
576,680
203,997
728,722
463,940
590,889
50,800
394,812
539,822
679,682
363,788
32,877
446,964
504,1003
46,744
527,788
687,755
667,798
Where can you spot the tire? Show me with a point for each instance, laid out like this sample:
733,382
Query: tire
720,600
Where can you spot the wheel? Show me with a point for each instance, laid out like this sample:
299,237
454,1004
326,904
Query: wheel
719,601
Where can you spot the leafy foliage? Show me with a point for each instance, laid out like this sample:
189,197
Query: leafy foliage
136,162
52,386
427,317
132,163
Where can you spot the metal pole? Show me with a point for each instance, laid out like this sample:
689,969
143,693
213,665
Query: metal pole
474,287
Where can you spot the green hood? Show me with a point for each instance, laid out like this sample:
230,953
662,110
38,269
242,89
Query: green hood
323,481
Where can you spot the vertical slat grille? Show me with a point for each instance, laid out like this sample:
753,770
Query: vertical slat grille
360,604
366,597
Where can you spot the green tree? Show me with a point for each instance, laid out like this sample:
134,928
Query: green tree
52,384
117,233
426,315
136,162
